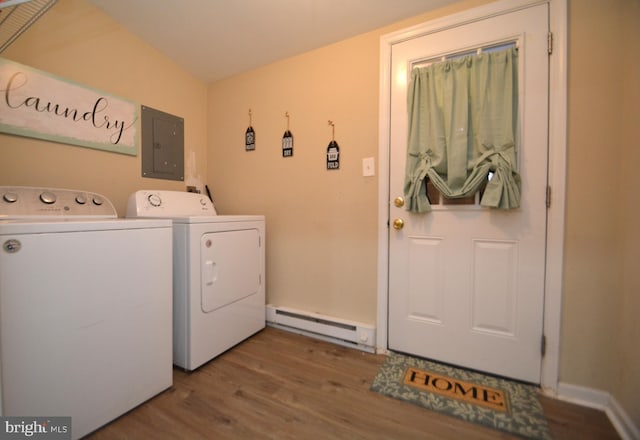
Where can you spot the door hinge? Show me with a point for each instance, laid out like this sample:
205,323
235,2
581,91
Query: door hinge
550,43
548,198
543,345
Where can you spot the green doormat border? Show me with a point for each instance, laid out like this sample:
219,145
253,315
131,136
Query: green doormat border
524,417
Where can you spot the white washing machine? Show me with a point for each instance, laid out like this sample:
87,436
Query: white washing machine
218,273
85,307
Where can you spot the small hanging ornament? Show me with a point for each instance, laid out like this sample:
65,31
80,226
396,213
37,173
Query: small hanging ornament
287,140
333,150
250,137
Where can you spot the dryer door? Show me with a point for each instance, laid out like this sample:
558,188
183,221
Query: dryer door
230,267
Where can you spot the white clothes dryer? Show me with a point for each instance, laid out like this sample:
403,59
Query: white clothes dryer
85,307
218,273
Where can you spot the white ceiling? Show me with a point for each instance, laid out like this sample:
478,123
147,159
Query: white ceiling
215,39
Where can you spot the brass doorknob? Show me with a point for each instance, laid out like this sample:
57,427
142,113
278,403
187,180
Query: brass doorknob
399,202
398,224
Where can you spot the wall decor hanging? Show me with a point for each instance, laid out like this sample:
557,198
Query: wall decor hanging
333,150
40,105
287,140
250,137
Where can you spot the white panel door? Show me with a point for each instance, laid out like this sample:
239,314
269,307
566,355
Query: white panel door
466,284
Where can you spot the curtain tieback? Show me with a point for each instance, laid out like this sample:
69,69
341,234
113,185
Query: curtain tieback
421,155
503,152
416,195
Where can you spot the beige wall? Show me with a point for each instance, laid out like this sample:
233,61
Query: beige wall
602,283
321,225
76,41
627,385
593,273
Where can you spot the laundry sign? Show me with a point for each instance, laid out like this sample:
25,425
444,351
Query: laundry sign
41,105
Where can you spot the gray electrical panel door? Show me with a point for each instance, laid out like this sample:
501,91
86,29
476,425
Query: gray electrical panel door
162,145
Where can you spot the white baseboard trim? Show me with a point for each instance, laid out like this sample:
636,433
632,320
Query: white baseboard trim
603,401
583,396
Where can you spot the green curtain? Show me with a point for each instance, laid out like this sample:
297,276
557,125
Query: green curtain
462,121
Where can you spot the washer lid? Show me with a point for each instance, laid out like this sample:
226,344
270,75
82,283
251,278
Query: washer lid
43,225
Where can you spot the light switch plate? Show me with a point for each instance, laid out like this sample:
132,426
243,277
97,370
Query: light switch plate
368,167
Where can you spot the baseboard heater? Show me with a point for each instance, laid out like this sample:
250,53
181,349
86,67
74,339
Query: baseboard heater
339,331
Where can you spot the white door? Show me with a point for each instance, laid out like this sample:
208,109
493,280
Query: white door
466,284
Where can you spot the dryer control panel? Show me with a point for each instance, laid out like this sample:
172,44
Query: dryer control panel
163,204
23,202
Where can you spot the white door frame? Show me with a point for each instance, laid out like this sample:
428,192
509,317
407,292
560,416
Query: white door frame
556,173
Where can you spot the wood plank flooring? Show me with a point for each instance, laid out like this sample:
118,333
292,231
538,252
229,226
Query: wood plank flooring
279,385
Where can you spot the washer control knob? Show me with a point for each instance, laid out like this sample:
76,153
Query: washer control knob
203,202
48,197
154,200
81,199
97,200
10,197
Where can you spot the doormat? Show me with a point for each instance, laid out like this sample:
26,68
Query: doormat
474,397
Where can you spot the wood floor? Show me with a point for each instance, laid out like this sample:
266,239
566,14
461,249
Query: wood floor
278,385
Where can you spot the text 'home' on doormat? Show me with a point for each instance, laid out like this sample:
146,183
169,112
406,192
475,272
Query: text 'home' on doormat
487,400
